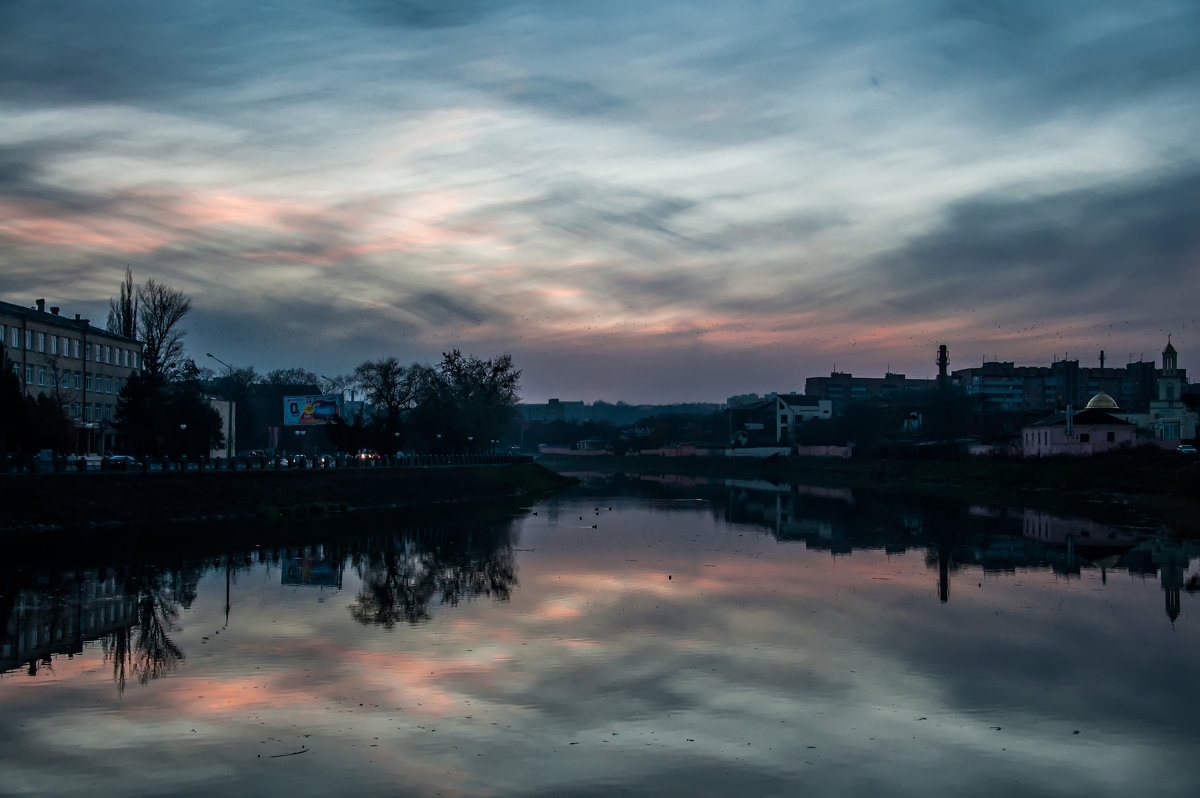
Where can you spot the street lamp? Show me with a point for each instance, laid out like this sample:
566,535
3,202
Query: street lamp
229,413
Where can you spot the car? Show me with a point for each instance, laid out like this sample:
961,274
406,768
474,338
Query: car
122,462
1185,448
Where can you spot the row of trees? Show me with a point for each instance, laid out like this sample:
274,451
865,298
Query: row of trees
461,403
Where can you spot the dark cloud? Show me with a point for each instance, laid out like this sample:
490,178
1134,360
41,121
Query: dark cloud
1044,58
426,13
23,177
1080,250
79,51
608,216
560,95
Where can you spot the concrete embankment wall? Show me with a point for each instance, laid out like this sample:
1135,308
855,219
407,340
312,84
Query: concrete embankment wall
31,503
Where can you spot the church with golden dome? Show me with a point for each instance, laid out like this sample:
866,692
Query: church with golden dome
1102,425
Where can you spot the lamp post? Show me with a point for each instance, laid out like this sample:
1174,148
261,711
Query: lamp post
229,413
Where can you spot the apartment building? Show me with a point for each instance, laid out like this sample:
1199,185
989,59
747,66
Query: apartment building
843,388
82,367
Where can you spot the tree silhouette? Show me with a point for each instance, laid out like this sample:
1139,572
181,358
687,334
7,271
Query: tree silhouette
123,312
162,311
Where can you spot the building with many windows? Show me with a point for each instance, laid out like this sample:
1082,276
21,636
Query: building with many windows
82,367
1009,387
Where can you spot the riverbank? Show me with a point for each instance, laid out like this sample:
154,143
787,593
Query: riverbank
1121,487
75,503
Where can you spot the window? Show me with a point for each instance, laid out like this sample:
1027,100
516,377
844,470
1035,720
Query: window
1084,437
41,377
53,378
75,347
54,344
29,339
87,352
108,354
1112,436
117,384
41,339
78,382
29,375
108,384
126,358
87,382
15,337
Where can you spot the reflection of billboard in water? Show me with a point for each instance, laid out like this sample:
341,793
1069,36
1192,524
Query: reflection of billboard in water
311,571
303,410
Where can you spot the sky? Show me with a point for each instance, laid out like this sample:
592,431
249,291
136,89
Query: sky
649,202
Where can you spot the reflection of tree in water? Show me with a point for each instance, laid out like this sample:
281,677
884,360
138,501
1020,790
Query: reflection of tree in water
408,572
144,650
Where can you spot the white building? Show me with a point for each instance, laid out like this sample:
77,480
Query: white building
1087,432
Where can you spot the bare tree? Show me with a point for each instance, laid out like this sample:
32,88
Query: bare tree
122,313
292,376
162,311
390,387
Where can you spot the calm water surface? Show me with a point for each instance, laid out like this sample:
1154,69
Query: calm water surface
622,638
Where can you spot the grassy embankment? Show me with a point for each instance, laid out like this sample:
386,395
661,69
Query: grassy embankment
33,504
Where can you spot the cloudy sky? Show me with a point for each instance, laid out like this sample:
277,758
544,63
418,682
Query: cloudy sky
641,201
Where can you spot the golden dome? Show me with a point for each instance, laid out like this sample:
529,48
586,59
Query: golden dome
1102,401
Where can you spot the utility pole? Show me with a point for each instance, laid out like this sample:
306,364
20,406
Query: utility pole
229,425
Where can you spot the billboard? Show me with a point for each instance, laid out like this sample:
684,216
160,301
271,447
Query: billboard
304,410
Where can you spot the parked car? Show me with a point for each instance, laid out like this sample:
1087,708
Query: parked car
122,462
1185,448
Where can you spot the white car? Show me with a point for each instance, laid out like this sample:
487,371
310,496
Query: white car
1185,448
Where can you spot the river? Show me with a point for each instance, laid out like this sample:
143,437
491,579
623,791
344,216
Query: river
628,636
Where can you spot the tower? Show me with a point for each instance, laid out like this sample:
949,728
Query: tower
1170,386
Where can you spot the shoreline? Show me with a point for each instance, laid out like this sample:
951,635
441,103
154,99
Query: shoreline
71,505
1122,487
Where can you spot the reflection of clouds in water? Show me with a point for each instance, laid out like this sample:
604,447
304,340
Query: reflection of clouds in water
715,679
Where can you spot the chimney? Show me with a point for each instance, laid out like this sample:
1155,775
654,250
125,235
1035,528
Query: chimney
54,309
76,317
41,305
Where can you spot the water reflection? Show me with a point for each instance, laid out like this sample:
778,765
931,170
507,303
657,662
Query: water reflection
662,639
951,535
144,649
406,574
131,610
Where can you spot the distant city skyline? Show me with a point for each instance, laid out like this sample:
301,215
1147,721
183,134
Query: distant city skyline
664,203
